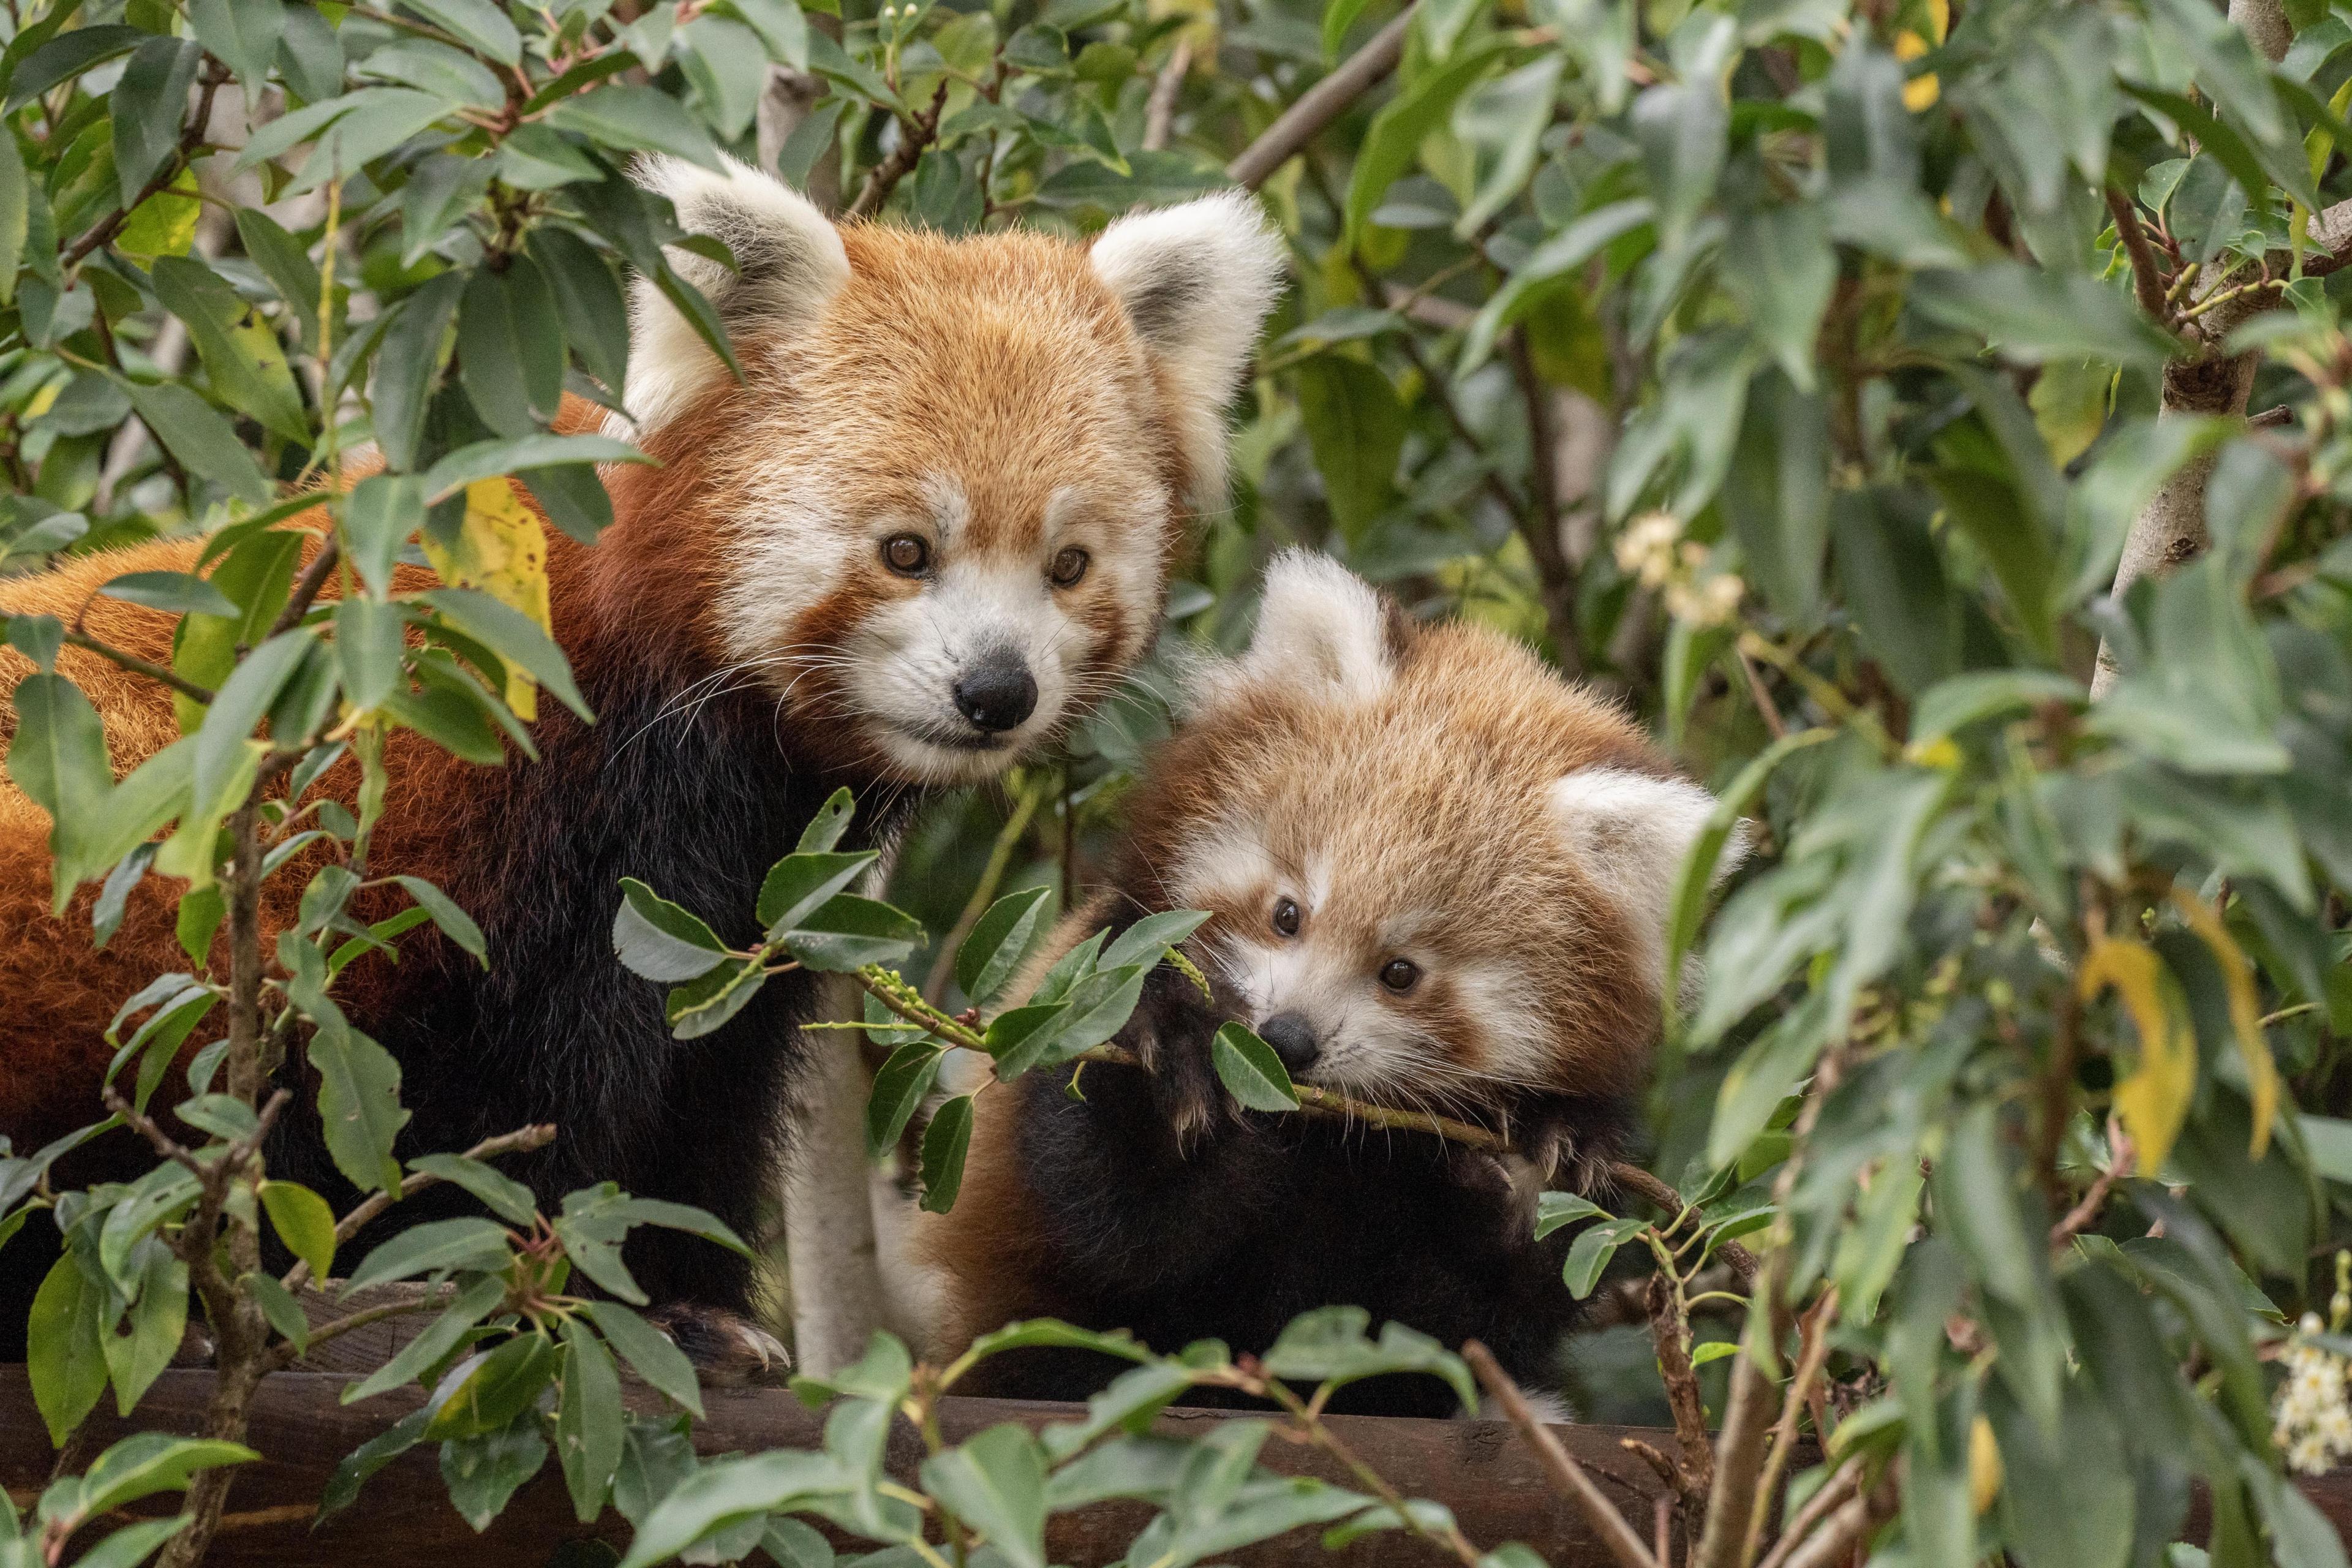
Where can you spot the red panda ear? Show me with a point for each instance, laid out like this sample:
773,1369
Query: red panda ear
1196,282
1632,832
788,262
1322,631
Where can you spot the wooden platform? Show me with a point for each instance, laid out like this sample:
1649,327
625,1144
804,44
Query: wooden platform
1480,1468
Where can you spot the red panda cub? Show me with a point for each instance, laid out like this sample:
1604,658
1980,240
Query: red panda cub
1438,874
927,527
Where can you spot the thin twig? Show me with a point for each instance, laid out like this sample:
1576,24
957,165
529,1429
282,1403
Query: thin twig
137,666
1828,1496
520,1140
1310,1421
2147,279
1650,1188
1321,104
1159,113
2121,1159
285,1354
1810,1360
1565,1474
306,588
1738,1465
191,138
915,133
1853,1522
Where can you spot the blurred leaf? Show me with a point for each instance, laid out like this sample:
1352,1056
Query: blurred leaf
2153,1099
1356,427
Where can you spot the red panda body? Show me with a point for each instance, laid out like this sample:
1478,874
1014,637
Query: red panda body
854,567
1437,874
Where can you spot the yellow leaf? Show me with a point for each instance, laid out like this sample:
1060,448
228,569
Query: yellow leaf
501,549
1985,1473
2245,1012
1920,92
2154,1101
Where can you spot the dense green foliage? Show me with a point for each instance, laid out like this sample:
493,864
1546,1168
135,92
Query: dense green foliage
1781,365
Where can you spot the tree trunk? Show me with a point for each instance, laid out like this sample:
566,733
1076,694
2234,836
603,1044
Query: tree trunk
837,1298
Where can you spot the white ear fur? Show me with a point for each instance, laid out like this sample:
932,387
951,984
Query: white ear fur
788,263
1196,281
1318,626
1633,831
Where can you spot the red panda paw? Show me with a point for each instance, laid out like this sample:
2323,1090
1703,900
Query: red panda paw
728,1350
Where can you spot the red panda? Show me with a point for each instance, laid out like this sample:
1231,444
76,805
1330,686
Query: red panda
1437,874
932,522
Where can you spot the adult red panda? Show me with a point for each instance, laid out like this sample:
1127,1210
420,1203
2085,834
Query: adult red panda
1438,877
931,523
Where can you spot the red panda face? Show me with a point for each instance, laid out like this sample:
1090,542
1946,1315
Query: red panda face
943,501
1439,874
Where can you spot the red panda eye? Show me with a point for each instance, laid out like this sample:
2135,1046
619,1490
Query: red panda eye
1285,917
1068,567
905,553
1399,973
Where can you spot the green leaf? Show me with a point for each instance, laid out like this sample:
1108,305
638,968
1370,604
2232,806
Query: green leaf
499,1193
798,885
146,107
243,35
898,1089
478,24
1143,941
358,1105
995,1483
826,829
369,649
1356,426
483,1471
247,369
204,443
1682,128
303,1222
1250,1070
648,1349
945,1143
66,56
622,115
595,310
514,637
1593,1249
1786,272
589,1421
491,459
149,1462
63,1361
438,1246
2037,316
1337,17
489,1389
454,923
1554,1210
343,1488
1330,1347
1546,267
476,1302
701,1007
181,593
729,1491
660,941
415,347
1000,940
1393,141
850,932
58,759
511,353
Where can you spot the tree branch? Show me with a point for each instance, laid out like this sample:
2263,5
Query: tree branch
1624,1547
1159,113
2147,281
915,133
137,666
1321,104
191,138
1738,1465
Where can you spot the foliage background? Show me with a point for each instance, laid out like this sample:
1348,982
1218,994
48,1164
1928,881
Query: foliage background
1792,368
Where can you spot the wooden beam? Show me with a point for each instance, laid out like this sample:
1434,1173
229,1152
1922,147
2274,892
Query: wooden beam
1482,1469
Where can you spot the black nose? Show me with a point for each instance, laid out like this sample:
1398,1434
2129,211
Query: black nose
1293,1039
997,693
